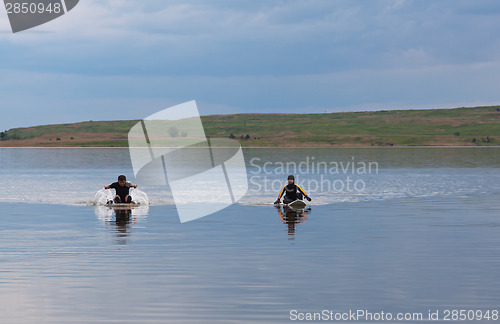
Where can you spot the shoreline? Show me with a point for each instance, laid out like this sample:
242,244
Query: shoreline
265,147
455,127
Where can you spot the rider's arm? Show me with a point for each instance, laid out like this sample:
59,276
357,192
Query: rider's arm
302,191
281,192
279,196
130,184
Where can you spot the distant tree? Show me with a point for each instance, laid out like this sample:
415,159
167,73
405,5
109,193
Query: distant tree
72,138
247,137
487,139
242,137
3,136
173,132
456,133
232,136
58,139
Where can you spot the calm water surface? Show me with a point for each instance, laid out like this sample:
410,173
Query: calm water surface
423,233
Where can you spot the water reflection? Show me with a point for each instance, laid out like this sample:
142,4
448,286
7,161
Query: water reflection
121,219
291,217
122,222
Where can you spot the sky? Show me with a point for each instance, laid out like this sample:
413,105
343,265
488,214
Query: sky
124,59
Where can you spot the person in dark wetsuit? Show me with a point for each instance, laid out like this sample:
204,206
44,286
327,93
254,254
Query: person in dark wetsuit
122,188
292,192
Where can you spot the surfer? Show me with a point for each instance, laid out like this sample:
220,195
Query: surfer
292,192
122,188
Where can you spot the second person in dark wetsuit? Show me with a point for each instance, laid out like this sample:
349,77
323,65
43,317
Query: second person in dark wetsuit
292,192
122,188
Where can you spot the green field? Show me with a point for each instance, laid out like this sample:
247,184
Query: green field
458,126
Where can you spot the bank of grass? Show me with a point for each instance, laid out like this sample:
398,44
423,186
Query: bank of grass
113,143
426,127
459,126
119,126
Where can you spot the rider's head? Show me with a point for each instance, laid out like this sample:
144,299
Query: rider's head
121,180
291,179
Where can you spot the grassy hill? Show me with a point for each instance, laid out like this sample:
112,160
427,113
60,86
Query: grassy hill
458,126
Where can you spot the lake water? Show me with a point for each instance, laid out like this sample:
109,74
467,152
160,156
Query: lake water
389,229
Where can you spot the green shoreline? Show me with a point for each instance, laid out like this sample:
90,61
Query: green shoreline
477,126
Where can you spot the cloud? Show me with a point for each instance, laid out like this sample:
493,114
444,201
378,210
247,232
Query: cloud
270,38
243,56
